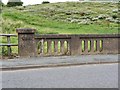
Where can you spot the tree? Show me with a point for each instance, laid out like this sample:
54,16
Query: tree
12,3
45,2
1,3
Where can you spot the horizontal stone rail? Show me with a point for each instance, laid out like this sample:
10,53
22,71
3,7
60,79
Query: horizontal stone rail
31,44
78,44
53,44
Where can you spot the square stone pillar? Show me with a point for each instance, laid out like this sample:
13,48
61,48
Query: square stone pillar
26,42
75,45
111,46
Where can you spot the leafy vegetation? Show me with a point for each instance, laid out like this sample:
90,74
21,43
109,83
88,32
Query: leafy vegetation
45,2
12,3
1,3
54,18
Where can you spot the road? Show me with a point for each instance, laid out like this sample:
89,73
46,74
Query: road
84,76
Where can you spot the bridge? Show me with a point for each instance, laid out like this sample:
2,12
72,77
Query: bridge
92,60
31,44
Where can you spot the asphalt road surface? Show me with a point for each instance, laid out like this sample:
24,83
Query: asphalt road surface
84,76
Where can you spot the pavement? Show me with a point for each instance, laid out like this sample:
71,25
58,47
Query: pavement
82,76
40,62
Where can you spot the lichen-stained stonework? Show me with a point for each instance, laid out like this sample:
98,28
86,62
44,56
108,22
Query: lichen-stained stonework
26,42
30,44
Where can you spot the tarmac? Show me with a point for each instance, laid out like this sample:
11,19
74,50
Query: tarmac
43,62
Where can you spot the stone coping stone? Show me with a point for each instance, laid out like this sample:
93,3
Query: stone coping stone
25,30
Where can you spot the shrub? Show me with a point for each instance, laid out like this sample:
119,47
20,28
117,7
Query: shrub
45,2
114,16
4,51
14,3
9,26
1,3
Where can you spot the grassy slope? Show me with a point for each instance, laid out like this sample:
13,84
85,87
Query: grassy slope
49,18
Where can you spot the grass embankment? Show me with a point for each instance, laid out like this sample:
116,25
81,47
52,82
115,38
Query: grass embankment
59,18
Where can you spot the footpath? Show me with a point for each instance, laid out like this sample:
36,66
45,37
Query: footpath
42,62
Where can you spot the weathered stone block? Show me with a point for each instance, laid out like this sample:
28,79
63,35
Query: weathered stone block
75,45
26,42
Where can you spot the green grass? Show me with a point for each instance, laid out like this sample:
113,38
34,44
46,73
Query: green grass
49,18
44,26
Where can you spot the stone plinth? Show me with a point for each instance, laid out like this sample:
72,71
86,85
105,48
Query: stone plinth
26,42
